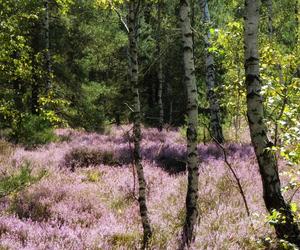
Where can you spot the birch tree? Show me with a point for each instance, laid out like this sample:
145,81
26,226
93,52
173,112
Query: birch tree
214,107
134,71
285,229
160,67
47,46
192,108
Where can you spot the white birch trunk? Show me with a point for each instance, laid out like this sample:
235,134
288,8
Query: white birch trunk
258,130
134,67
214,107
192,107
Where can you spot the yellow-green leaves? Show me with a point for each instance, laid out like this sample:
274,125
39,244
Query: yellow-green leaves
108,3
294,207
64,5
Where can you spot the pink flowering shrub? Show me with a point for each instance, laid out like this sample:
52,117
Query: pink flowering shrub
95,207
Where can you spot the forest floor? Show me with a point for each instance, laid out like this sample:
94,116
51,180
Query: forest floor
81,204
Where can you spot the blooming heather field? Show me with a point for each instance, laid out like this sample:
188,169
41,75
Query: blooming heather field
81,204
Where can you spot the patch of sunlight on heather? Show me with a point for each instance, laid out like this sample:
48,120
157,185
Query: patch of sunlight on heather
95,208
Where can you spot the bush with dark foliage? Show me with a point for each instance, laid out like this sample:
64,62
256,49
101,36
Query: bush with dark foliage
86,157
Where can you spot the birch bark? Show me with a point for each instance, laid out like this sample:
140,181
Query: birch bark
134,67
192,107
273,198
214,107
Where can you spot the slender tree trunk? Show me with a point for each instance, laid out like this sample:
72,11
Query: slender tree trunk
297,21
160,70
153,93
215,114
35,95
47,47
192,107
258,130
269,4
133,51
18,96
170,97
18,87
171,112
35,44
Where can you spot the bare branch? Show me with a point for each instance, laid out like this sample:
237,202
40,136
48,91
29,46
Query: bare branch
238,182
120,16
292,196
237,179
131,109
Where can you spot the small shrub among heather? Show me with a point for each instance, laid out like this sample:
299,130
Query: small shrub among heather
6,151
119,204
5,148
93,175
86,157
28,206
126,241
64,138
18,181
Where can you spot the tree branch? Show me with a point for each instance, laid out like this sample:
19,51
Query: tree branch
120,16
